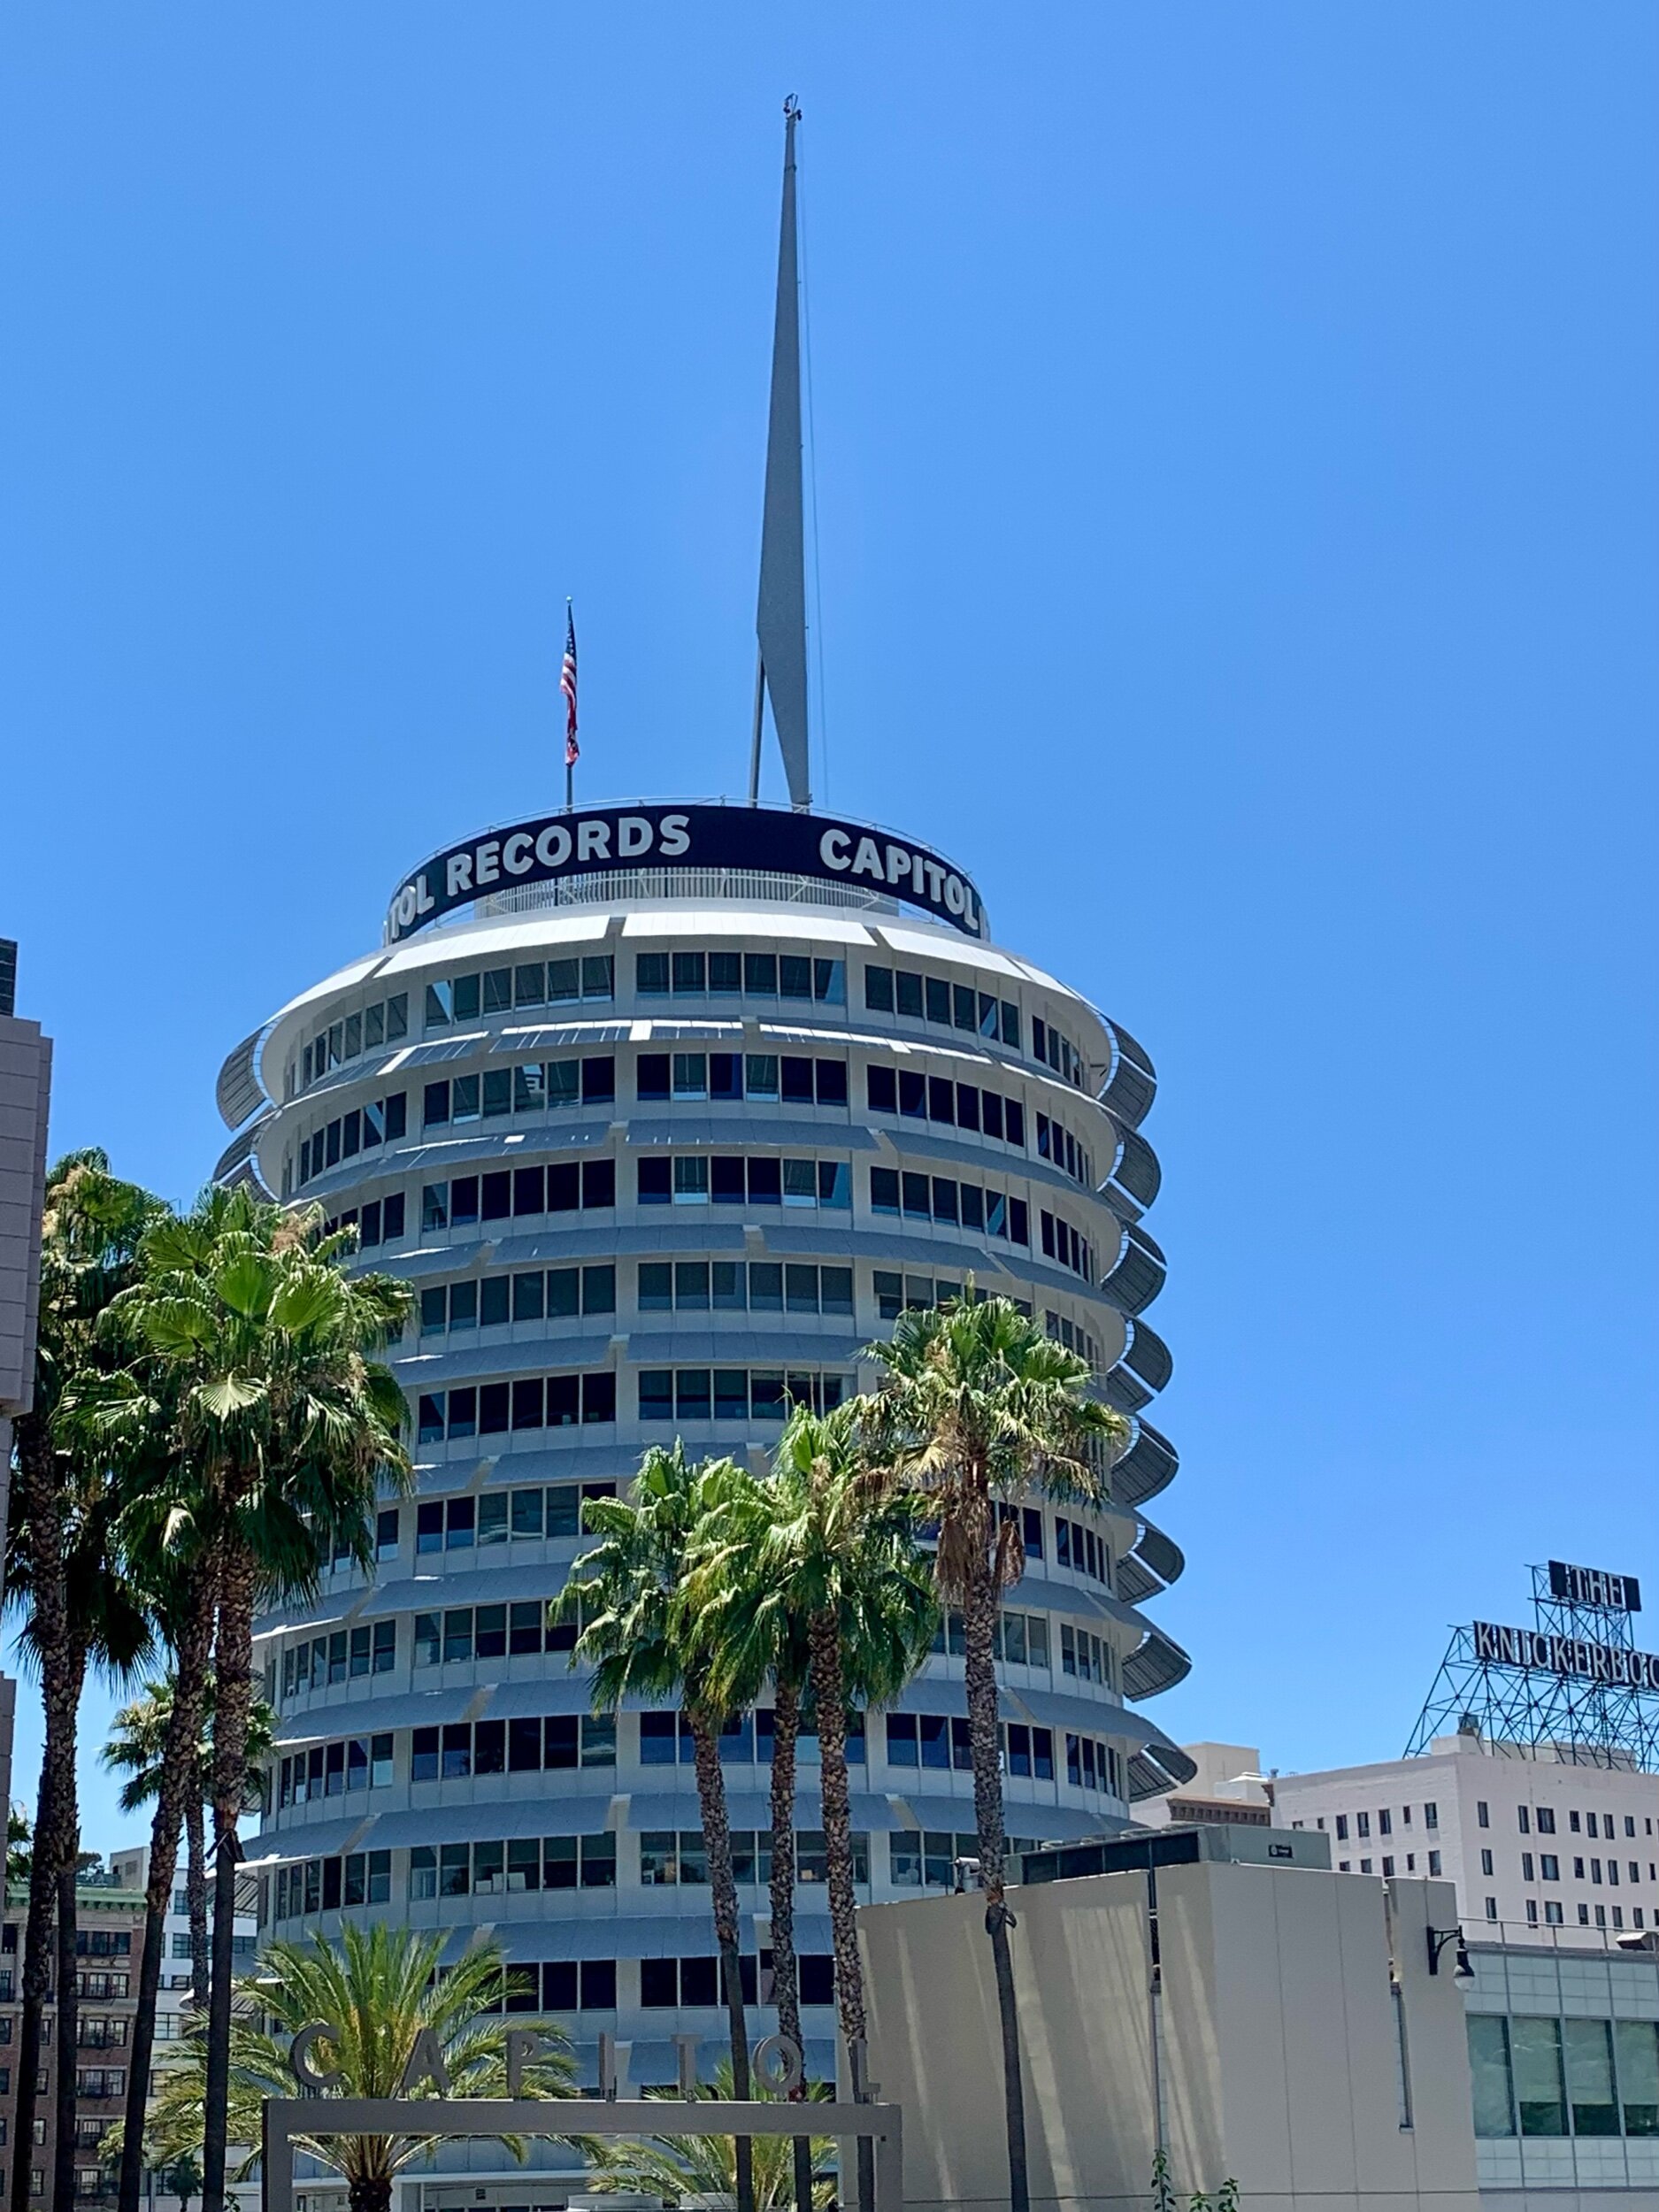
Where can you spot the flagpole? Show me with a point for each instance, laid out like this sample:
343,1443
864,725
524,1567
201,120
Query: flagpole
567,686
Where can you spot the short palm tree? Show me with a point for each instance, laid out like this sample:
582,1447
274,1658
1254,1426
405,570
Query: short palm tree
977,1407
629,1592
136,1748
284,1424
383,1988
65,1573
834,1559
702,2170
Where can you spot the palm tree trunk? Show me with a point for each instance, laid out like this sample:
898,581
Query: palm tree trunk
233,1699
785,1980
195,1888
978,1612
716,1841
369,2193
36,1500
68,2038
179,1780
829,1695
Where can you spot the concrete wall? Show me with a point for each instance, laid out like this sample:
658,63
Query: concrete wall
1277,2063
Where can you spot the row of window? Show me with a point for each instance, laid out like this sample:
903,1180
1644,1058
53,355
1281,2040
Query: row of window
1081,1549
1544,1817
556,1294
917,1097
740,975
382,1024
957,1205
948,1005
313,1885
339,1656
1552,2076
735,1393
1549,1869
516,1515
464,998
356,1763
465,1632
701,1178
687,1393
364,1129
530,1401
669,1857
1074,1336
1061,1241
765,1078
1369,1866
1385,1821
531,1088
739,1286
567,1187
525,1863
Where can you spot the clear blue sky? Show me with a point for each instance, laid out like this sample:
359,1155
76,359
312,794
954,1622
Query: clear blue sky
1236,457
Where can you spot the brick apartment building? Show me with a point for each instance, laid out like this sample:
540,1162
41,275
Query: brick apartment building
109,1940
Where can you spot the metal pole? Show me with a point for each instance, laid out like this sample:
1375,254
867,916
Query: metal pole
760,709
569,787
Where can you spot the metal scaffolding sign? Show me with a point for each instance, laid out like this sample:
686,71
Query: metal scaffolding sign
1574,1686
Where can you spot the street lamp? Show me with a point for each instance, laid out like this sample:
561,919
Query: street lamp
1438,1939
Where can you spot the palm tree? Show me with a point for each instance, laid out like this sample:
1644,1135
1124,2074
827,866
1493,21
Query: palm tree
138,1738
976,1407
284,1424
833,1558
383,1988
61,1567
629,1592
702,2168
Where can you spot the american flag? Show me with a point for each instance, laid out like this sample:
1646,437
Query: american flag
567,685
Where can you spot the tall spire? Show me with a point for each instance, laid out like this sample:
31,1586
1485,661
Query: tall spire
780,620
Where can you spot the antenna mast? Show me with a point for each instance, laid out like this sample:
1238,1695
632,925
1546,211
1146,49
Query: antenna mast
780,617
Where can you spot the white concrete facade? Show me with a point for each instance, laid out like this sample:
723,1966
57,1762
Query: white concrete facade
692,1155
1535,1849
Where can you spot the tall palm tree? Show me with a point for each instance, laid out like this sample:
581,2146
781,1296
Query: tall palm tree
750,1642
629,1592
835,1559
383,1988
285,1423
61,1567
977,1407
138,1738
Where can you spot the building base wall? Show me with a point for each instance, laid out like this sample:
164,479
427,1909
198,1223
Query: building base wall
1269,2048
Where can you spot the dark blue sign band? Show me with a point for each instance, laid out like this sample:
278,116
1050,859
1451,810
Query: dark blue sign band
554,846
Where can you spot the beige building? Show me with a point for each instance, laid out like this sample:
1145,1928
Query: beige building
25,1069
1534,1846
1278,2027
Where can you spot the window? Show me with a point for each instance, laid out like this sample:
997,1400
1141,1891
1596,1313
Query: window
1572,1823
1546,1819
1342,1827
1483,1815
1485,1863
1492,1909
1364,1823
1434,1865
1522,1819
1431,1815
1489,2074
1385,1823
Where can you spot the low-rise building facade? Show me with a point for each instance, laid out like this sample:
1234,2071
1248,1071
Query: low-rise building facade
1531,1842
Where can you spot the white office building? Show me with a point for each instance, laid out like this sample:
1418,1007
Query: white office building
1530,1840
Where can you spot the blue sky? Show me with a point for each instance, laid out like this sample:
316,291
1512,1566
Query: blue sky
1235,463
